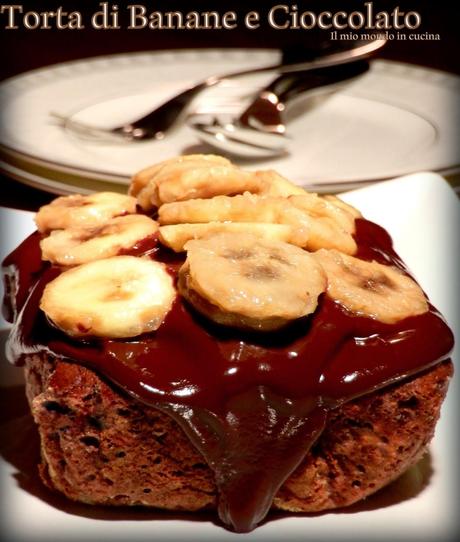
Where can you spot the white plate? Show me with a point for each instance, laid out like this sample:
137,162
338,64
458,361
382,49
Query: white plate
38,175
396,119
422,214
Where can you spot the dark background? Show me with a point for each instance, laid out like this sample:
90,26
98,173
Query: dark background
23,50
27,49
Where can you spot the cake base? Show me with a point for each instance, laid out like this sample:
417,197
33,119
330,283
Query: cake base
101,446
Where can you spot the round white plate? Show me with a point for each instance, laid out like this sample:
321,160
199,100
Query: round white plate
396,119
38,174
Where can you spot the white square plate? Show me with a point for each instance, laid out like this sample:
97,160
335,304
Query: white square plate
422,214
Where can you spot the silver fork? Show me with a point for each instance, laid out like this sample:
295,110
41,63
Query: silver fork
260,131
156,124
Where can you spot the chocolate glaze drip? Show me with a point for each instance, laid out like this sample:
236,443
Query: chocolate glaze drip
253,404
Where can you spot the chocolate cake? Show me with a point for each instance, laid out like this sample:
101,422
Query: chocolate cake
222,339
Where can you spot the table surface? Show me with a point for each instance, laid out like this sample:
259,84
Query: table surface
25,50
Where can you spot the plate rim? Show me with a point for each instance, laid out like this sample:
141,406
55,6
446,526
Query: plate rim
403,69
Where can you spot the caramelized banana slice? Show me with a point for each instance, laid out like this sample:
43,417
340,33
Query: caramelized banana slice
319,208
75,246
331,226
345,206
197,189
244,281
242,208
117,297
177,235
141,179
185,177
315,223
325,233
371,289
204,176
85,211
272,183
202,180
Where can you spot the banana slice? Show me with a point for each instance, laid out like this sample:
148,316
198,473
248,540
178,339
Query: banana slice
272,183
142,178
325,233
330,226
181,177
202,180
371,289
177,235
85,211
203,176
196,189
117,297
319,207
345,206
242,208
75,246
244,281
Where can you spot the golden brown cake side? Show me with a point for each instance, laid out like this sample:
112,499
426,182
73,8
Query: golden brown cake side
101,446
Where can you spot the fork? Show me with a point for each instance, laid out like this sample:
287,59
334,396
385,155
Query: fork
156,124
260,131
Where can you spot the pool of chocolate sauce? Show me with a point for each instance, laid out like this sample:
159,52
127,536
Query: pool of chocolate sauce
252,403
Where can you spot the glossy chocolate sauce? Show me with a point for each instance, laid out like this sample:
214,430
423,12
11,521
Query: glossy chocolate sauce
252,403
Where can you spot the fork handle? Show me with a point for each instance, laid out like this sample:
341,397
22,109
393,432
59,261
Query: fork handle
287,86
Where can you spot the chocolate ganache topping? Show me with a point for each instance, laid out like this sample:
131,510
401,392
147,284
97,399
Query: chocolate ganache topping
253,405
252,402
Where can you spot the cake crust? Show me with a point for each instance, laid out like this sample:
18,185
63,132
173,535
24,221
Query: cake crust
100,446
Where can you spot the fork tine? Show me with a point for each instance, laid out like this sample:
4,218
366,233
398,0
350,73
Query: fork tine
221,106
88,131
